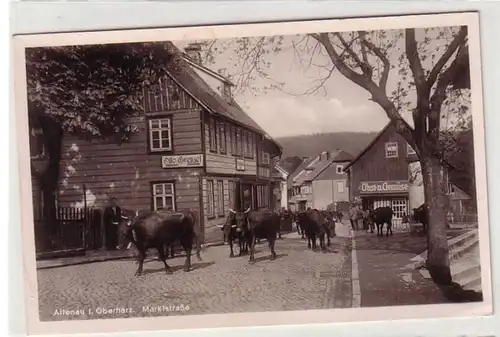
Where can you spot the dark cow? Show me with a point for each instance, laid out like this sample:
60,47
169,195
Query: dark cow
232,232
329,225
315,225
381,216
160,228
421,215
258,224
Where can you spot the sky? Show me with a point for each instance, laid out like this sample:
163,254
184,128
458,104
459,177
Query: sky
342,106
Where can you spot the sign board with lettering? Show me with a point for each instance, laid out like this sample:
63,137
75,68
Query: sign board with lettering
383,187
240,164
187,160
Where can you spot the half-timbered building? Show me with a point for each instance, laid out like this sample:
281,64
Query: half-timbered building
193,148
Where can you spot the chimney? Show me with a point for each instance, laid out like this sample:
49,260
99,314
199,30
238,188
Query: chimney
193,51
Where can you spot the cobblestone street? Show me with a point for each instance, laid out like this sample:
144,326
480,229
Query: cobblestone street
298,279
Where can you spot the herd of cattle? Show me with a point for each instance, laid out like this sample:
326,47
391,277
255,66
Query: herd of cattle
163,229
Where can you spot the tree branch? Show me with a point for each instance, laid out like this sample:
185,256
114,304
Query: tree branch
387,65
379,96
417,70
458,41
438,97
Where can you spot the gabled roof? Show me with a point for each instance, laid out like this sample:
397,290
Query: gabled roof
207,70
190,81
299,169
369,146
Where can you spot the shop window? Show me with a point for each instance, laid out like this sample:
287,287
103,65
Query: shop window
160,134
391,150
399,207
164,196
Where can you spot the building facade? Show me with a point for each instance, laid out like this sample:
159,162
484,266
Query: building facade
379,174
193,148
319,181
331,185
280,190
387,173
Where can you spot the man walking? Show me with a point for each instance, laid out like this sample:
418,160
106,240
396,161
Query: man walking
353,216
112,219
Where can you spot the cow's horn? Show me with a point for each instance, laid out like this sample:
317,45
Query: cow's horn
124,217
233,226
230,210
248,210
220,226
137,213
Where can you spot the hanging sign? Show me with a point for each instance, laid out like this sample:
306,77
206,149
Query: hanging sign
383,187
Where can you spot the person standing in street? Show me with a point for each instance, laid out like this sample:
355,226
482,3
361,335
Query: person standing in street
112,218
353,214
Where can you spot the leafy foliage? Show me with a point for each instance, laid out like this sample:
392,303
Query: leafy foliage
90,89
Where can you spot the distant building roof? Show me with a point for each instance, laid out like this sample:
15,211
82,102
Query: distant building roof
317,165
187,78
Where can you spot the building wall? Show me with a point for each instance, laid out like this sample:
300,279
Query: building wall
126,171
222,160
330,177
374,166
284,194
322,193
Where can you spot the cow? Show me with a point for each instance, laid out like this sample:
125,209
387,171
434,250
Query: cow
315,225
159,228
381,216
329,225
421,215
128,214
232,232
258,224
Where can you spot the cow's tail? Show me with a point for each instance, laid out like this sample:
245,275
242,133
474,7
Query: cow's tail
197,235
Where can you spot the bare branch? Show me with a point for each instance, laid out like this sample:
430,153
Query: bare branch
378,52
458,41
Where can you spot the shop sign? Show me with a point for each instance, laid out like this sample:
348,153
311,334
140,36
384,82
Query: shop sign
383,187
188,160
240,164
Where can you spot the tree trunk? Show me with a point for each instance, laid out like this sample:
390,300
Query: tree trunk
52,134
437,243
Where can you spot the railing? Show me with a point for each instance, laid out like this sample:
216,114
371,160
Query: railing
74,229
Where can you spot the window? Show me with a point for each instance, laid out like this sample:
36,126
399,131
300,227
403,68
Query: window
264,171
399,207
238,142
391,150
451,189
262,196
212,135
210,198
220,198
340,169
250,144
305,189
226,91
266,158
244,140
409,149
340,187
232,138
164,196
230,187
222,137
160,134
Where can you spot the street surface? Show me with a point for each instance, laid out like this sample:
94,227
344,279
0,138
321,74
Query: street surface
298,279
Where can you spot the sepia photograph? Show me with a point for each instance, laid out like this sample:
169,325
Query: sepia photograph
254,169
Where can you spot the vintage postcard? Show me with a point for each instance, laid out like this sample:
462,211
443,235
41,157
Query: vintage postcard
239,175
